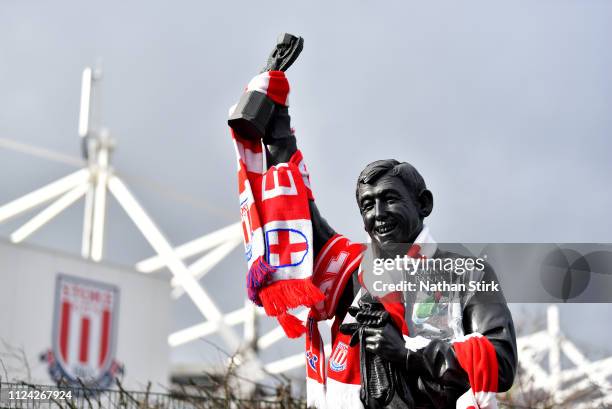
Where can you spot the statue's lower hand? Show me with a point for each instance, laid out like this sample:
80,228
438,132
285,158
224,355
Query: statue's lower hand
386,342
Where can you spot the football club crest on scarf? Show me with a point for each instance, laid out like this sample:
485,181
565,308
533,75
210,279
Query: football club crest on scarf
247,228
84,333
337,362
312,360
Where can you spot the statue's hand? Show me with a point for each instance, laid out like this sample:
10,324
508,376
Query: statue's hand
262,109
386,342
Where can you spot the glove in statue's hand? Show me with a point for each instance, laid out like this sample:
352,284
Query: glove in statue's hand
257,111
387,342
288,48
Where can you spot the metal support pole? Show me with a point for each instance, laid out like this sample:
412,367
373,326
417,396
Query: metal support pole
99,202
203,265
554,354
250,333
193,247
49,213
87,222
43,195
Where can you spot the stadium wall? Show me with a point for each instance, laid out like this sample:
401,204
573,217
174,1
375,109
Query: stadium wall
35,284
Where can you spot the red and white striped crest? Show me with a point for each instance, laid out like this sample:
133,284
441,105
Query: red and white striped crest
84,329
338,359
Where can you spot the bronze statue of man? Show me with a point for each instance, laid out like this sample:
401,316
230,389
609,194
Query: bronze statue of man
393,200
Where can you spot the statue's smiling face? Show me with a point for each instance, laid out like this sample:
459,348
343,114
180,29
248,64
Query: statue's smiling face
390,212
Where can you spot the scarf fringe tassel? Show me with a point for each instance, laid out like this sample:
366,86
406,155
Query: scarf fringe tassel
259,274
343,395
315,394
279,297
292,325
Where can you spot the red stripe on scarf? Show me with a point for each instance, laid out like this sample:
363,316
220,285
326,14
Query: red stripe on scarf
278,88
476,355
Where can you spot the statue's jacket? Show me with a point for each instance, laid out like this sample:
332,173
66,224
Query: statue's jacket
446,327
433,373
445,308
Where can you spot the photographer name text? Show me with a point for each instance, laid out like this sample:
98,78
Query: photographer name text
442,286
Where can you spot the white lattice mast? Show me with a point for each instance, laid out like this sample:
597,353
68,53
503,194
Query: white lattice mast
541,355
97,147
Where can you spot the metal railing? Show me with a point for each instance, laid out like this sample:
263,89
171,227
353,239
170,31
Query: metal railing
31,396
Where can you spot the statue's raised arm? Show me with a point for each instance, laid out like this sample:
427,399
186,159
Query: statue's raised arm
283,230
258,117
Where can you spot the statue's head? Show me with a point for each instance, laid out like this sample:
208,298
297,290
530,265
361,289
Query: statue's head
393,201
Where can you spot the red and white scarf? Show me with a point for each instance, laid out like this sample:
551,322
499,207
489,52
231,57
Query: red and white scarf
276,221
278,245
337,384
476,355
333,384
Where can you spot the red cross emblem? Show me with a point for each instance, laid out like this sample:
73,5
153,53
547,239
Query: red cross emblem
286,247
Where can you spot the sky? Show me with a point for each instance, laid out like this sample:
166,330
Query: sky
504,107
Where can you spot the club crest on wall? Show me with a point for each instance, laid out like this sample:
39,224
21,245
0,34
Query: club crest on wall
85,322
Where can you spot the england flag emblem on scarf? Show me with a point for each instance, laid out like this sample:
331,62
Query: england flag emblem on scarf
286,247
